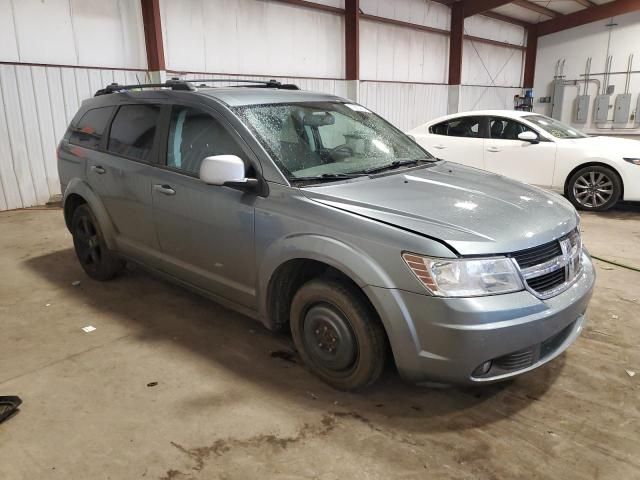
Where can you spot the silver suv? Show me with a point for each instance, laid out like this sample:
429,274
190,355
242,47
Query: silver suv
310,213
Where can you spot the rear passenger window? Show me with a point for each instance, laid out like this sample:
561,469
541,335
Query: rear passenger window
90,128
133,130
194,135
460,127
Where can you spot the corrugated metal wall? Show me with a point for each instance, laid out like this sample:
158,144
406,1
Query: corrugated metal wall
36,105
404,69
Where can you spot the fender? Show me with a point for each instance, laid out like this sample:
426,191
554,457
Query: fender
80,187
353,262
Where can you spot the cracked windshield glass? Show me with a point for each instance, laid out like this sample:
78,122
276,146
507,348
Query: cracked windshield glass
330,140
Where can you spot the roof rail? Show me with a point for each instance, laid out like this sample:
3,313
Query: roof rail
174,84
185,85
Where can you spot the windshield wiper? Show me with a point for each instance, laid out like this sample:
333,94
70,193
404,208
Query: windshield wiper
398,164
328,177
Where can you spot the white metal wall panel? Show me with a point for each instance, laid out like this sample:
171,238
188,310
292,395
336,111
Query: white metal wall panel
252,37
485,27
487,98
406,105
485,64
422,12
36,105
105,33
394,53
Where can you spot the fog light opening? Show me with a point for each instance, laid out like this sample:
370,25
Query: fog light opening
482,369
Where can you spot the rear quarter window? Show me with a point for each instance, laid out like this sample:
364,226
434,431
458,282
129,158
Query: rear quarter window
89,130
133,131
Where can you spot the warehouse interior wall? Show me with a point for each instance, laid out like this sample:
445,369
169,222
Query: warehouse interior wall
56,53
617,37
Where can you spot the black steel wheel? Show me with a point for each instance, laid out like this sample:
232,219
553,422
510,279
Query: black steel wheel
594,188
338,335
95,258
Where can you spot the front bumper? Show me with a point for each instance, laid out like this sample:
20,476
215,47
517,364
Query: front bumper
446,339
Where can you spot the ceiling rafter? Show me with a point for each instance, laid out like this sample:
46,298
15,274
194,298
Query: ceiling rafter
588,15
585,3
534,7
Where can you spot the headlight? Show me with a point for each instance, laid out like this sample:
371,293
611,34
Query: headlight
635,161
465,277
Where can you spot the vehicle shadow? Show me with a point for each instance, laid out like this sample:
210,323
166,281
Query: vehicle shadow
157,310
622,211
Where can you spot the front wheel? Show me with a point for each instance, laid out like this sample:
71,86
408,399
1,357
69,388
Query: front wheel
91,249
594,188
338,335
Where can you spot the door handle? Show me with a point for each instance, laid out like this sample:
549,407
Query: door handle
164,189
98,169
439,147
493,149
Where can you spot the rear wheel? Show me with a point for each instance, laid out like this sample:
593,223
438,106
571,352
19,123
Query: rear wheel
96,259
338,335
594,188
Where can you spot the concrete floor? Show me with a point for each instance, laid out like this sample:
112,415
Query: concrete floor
223,408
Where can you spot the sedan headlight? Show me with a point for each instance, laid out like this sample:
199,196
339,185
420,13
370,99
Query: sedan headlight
465,277
635,161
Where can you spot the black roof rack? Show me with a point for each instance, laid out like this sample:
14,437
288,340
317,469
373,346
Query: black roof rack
185,85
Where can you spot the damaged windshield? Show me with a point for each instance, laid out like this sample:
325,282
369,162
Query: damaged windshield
330,140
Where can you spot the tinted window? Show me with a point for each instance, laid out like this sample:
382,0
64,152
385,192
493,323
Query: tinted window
459,127
89,130
507,129
194,135
133,130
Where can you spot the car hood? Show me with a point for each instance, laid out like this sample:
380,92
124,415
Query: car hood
609,147
473,211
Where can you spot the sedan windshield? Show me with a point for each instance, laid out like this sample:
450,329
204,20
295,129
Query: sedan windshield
329,140
554,127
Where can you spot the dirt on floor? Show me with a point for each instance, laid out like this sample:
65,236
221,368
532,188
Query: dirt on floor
172,386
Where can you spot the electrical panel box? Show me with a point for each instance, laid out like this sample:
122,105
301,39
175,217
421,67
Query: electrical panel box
582,108
602,108
622,108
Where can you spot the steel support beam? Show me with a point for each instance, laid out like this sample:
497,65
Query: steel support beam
593,14
456,38
352,39
153,34
530,56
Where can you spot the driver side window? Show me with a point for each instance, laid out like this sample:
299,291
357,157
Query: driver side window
194,135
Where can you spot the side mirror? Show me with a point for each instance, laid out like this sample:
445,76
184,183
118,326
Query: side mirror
529,136
226,170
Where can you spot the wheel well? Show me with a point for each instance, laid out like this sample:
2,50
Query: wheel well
592,164
72,202
289,277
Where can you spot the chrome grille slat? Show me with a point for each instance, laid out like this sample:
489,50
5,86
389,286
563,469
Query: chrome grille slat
551,268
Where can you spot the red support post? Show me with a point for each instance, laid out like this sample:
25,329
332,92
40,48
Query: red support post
352,39
530,56
153,34
456,38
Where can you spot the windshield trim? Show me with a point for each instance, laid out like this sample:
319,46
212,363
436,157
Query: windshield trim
288,176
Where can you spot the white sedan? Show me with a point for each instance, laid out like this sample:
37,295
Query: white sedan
593,172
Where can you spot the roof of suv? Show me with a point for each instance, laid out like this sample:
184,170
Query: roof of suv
240,96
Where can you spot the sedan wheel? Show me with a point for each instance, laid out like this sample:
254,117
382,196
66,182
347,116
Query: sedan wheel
594,188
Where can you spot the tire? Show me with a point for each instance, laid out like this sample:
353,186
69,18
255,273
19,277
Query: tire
594,188
337,334
95,258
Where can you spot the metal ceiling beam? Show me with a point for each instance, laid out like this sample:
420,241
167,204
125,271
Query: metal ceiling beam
588,15
504,18
585,3
534,7
474,7
314,6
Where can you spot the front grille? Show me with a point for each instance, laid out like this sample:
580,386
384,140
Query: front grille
547,281
549,268
537,255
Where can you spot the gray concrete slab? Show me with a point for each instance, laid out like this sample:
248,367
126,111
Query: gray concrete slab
223,408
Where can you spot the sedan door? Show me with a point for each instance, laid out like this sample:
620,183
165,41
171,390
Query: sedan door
507,155
206,232
457,140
